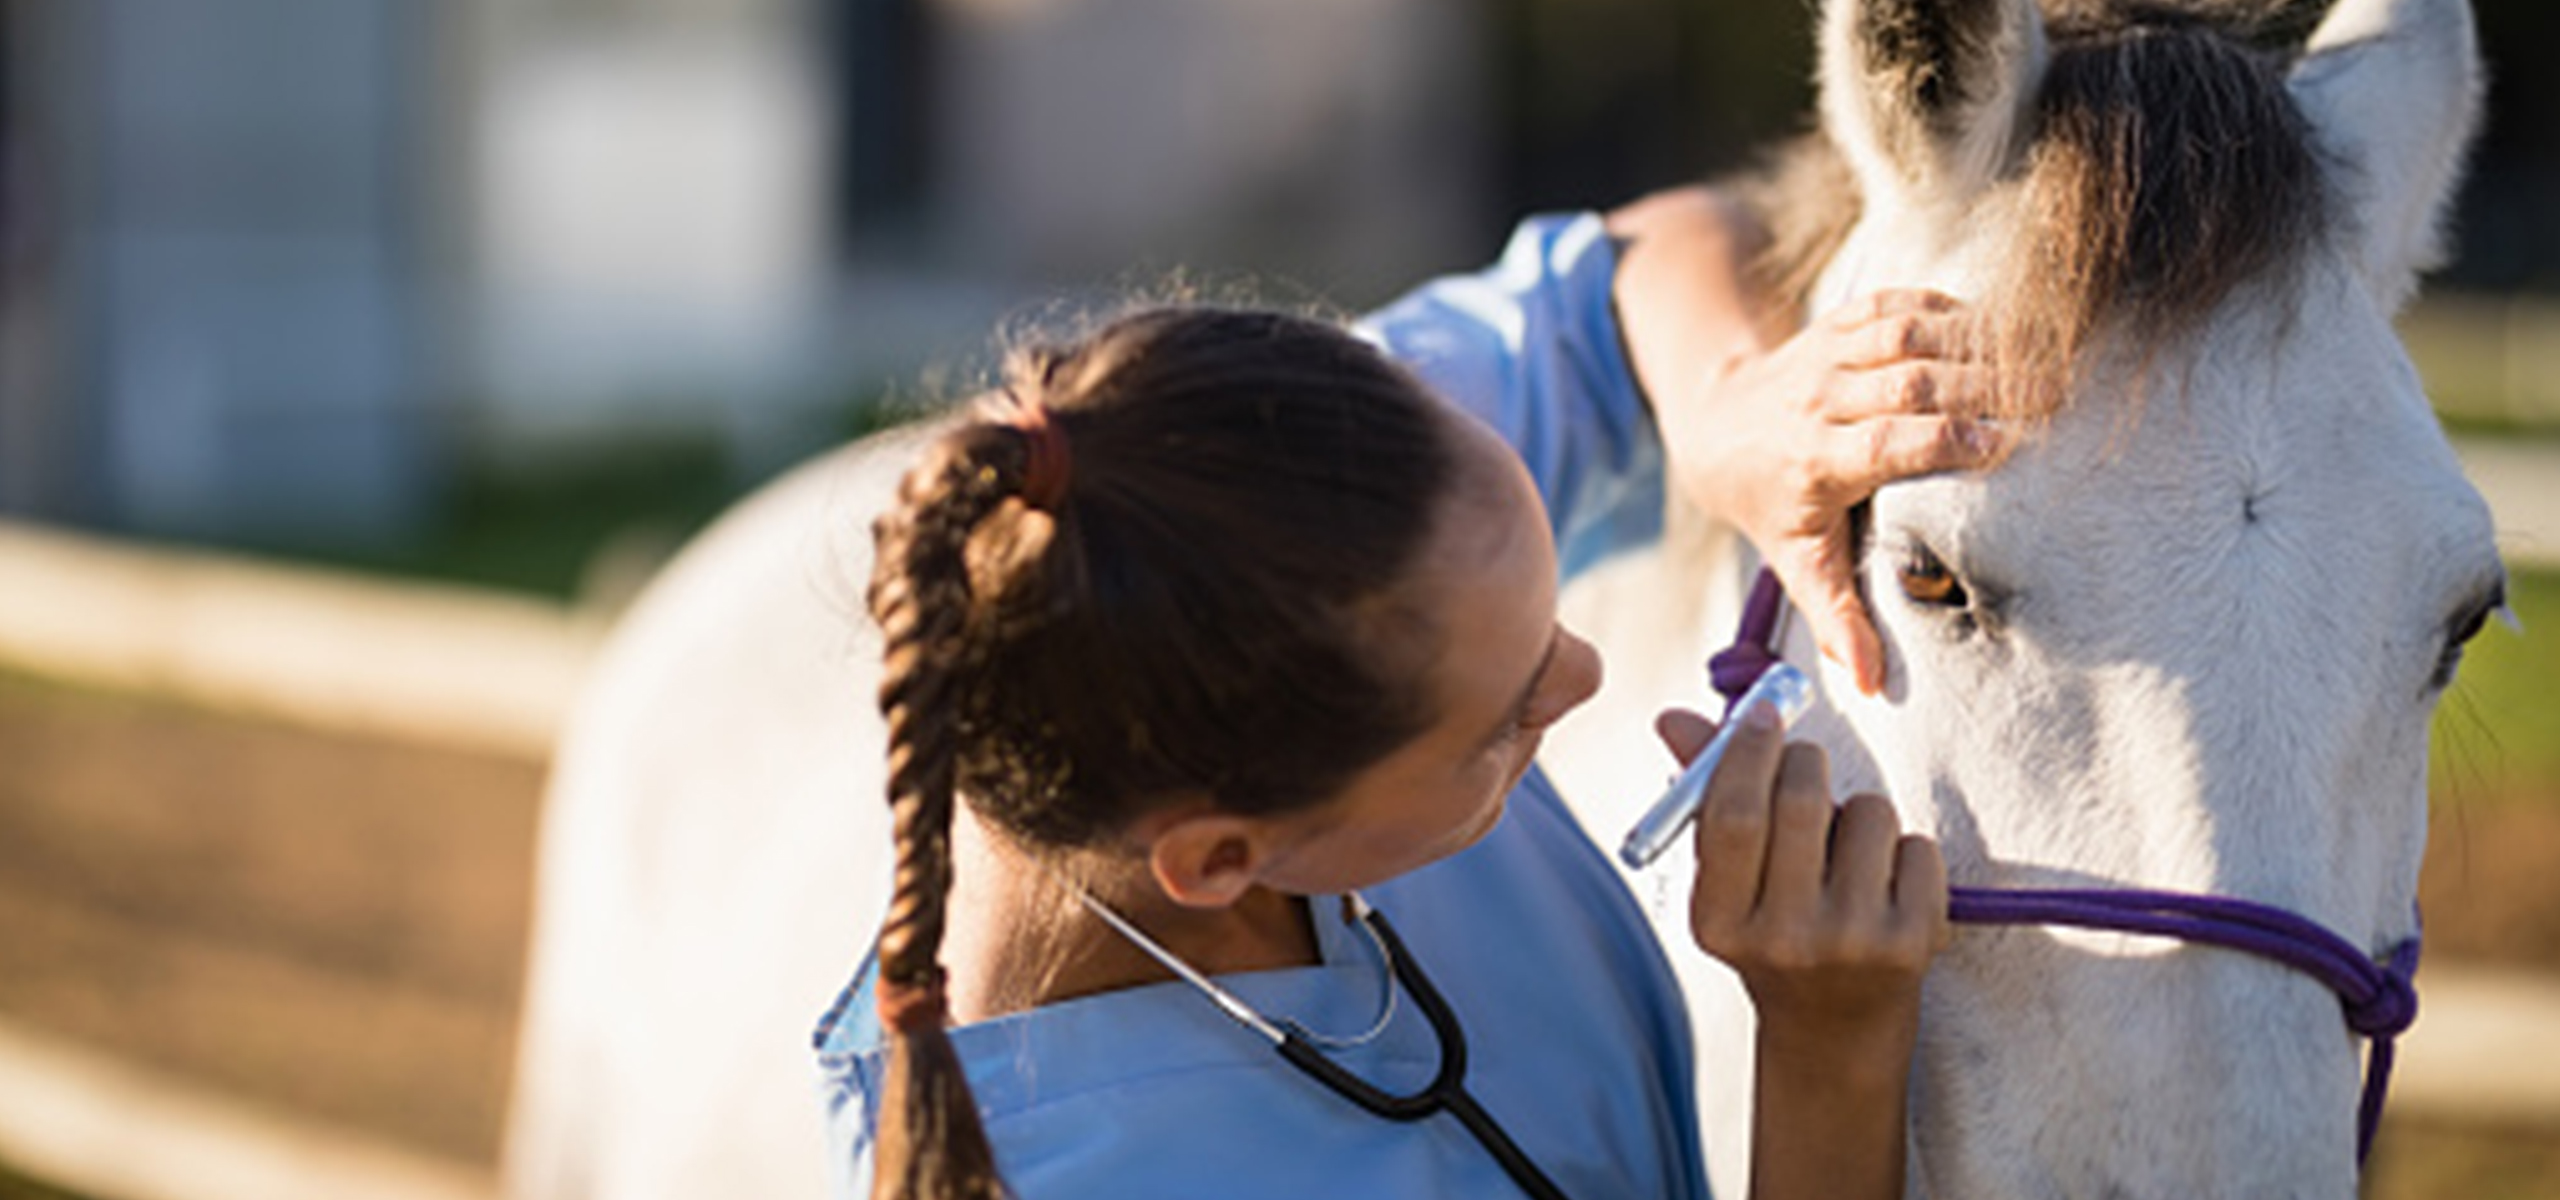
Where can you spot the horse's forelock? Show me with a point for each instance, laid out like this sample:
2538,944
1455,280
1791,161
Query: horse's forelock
2167,168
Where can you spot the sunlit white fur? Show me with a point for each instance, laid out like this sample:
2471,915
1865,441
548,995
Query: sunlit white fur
2172,694
2200,661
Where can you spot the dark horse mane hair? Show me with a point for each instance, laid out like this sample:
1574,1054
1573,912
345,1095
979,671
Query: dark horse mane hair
2164,167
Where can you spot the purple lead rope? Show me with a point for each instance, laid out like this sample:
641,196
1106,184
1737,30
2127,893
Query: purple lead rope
2380,998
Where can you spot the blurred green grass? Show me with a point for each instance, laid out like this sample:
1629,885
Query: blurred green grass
537,532
2497,733
542,530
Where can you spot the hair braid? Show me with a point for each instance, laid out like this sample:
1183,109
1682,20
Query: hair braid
930,1143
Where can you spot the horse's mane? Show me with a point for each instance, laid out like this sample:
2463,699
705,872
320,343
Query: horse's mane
2166,167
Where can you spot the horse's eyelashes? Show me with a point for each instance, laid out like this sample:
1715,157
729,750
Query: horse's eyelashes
2460,631
2448,662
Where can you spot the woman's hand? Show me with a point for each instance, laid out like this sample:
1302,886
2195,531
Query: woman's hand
1831,917
1780,432
1830,913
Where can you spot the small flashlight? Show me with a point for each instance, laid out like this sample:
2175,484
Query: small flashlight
1783,688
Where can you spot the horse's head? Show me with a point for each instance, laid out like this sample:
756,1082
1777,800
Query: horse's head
2191,634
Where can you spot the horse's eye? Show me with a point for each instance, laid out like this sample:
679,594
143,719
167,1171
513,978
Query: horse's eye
1926,580
2459,632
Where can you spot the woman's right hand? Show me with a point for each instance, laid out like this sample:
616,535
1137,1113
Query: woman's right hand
1780,431
1826,911
1831,915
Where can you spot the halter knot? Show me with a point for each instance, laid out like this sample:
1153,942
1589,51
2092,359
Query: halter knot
2393,1006
1735,668
1755,648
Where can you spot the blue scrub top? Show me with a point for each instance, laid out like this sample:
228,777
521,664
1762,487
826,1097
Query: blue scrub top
1577,1038
1531,347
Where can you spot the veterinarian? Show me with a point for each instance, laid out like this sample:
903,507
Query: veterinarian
1218,652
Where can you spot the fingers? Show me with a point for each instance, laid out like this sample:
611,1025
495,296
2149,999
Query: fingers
1864,842
1790,883
1920,889
1685,733
1905,354
1823,588
1909,387
1732,835
1858,458
1800,819
1886,891
1895,334
1888,303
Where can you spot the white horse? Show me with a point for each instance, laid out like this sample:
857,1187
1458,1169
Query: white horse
2189,637
2192,644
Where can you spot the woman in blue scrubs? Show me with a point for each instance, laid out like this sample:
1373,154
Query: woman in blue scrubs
1218,653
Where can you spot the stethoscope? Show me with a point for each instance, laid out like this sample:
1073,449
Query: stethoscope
1447,1091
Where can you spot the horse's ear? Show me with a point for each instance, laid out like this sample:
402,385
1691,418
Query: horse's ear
1928,97
2393,88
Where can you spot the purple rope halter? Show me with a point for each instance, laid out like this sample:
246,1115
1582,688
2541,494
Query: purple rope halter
2380,998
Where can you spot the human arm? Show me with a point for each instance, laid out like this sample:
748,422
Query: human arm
1777,431
1830,915
1530,347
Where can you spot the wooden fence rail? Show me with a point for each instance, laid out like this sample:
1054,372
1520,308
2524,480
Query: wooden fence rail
112,1129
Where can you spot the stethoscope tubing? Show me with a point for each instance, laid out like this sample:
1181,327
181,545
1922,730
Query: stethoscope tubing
1447,1090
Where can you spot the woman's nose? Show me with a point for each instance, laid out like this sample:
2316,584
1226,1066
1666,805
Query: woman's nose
1578,670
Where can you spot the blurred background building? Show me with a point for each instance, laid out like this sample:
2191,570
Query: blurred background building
213,236
274,267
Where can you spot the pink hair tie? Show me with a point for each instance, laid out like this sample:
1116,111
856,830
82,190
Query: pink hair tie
1048,466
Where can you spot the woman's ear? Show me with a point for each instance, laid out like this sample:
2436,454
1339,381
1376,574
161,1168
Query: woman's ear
1204,858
